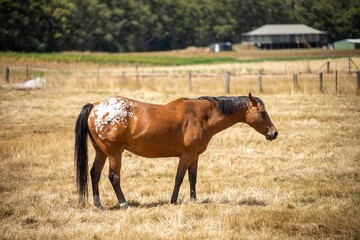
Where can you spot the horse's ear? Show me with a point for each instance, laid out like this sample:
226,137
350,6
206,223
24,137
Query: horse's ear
252,100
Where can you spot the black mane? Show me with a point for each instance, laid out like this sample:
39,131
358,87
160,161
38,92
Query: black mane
228,105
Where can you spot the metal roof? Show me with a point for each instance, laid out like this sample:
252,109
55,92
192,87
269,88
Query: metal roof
284,29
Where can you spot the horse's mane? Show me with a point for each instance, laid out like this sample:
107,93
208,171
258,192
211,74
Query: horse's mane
228,105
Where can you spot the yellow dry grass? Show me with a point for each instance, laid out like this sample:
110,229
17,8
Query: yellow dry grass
304,185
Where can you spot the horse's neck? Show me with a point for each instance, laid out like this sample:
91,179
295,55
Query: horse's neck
219,122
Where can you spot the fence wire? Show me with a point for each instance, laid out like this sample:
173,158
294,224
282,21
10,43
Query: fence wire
328,78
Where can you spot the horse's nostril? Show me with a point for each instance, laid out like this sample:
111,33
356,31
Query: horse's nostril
275,133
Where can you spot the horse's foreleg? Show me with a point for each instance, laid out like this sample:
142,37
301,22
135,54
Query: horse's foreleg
95,173
114,177
184,163
192,170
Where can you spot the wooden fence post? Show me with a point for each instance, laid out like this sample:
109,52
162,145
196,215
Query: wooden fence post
321,82
295,82
137,75
152,78
336,82
190,81
328,67
259,78
122,78
98,74
27,72
7,74
227,82
349,70
358,80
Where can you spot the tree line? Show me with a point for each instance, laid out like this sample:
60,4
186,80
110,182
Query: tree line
151,25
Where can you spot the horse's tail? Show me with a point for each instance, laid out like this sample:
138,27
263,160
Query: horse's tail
81,153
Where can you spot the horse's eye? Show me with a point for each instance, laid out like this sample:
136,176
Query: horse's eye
263,114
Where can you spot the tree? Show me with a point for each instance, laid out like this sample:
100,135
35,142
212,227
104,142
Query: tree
151,25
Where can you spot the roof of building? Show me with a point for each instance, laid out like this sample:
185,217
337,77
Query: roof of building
283,29
357,41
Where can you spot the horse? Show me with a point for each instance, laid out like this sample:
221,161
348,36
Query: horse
182,128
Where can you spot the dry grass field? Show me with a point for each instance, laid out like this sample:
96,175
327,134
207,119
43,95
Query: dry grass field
304,185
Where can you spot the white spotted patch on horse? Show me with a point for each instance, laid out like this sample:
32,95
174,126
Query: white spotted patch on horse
113,111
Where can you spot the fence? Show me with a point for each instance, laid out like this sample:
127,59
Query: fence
324,79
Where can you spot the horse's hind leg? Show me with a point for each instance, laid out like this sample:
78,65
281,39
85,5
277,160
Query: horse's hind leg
95,173
192,178
114,177
185,161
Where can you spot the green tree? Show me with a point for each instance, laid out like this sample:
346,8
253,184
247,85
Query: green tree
148,25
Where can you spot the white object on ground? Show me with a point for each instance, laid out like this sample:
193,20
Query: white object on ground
36,83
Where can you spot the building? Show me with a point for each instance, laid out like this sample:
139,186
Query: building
347,44
274,36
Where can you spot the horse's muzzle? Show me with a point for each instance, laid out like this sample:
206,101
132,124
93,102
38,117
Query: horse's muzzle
272,135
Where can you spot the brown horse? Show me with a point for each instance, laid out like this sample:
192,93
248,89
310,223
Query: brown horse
182,128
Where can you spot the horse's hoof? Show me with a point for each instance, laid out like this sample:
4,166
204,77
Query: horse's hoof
124,205
100,207
98,204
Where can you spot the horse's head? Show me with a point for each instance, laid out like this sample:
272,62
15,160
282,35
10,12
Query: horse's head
257,117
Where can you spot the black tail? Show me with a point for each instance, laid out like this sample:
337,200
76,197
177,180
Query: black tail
81,154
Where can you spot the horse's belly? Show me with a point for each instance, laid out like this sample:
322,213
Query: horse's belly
154,150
